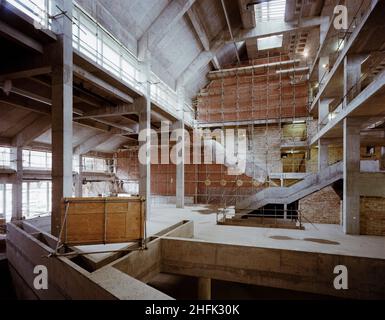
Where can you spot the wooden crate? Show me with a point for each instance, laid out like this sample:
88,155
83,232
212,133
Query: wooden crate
102,220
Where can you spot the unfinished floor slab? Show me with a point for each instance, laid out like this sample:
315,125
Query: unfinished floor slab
188,242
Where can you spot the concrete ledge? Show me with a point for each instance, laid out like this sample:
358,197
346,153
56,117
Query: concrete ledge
66,280
293,270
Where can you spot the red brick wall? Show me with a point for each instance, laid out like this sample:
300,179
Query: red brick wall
260,96
372,216
321,207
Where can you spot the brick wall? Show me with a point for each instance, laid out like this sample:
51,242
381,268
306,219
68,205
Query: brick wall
264,95
372,216
163,176
209,183
321,207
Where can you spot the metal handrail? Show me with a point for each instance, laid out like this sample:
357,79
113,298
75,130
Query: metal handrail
354,23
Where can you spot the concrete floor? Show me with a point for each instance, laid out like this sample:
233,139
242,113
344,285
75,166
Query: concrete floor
309,240
320,238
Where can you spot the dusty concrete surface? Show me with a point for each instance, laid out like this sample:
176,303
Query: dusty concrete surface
205,228
301,260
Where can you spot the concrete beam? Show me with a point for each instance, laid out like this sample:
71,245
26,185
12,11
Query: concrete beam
247,15
101,84
32,131
20,37
163,24
270,28
278,268
341,57
27,104
91,143
34,93
131,129
249,69
369,92
28,73
120,110
201,60
5,141
216,63
199,28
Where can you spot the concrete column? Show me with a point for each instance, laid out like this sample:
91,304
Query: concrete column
285,211
79,179
145,162
352,76
351,201
145,128
204,289
17,186
180,166
323,111
181,153
323,69
323,30
62,108
323,154
382,160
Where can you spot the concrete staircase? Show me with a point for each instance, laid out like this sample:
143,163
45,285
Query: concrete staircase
285,195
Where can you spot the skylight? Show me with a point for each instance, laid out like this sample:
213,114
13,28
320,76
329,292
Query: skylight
270,10
270,42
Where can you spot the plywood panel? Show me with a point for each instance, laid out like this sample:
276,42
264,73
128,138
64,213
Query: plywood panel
102,220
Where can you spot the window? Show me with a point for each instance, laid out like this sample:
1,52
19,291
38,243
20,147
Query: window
370,151
5,157
97,43
6,201
39,160
270,10
37,198
270,42
96,165
131,187
36,9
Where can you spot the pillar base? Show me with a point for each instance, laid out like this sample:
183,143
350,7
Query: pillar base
204,288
